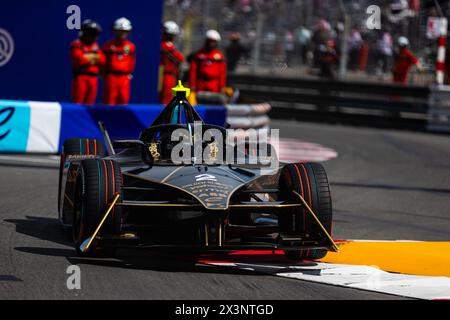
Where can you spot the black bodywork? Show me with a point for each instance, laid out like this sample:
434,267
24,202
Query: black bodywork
197,206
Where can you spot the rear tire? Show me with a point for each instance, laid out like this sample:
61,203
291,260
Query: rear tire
311,182
77,147
98,181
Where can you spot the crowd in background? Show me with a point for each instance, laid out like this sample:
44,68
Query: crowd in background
306,35
326,38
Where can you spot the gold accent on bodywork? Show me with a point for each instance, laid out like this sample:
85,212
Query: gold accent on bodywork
110,207
220,234
68,200
190,193
206,235
154,151
213,151
171,174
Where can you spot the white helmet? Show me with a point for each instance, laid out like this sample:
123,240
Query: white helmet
403,42
213,35
122,24
171,27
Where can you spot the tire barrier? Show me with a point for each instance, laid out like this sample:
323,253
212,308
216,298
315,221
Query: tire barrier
42,127
247,116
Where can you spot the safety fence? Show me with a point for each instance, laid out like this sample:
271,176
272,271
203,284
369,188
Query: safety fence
360,103
42,127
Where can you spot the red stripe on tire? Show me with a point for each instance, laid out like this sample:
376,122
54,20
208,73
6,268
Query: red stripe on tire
303,194
309,191
113,184
307,182
106,182
300,178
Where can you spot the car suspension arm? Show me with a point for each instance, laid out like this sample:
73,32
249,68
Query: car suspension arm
87,243
333,244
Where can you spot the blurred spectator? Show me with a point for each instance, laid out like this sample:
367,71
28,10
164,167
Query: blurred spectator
86,58
384,52
170,62
120,56
328,59
289,47
414,5
304,41
311,21
321,35
363,54
354,46
208,68
322,32
404,60
235,51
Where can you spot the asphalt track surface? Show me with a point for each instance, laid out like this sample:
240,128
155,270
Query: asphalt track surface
386,185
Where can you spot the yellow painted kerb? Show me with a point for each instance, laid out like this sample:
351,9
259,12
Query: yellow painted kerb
417,258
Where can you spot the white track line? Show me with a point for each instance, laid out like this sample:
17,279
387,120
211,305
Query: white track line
367,278
28,159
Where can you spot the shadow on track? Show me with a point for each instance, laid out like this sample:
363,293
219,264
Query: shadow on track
42,228
48,229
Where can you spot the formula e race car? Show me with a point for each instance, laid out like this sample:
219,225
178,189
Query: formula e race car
175,188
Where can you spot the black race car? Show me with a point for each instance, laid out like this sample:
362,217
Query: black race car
139,196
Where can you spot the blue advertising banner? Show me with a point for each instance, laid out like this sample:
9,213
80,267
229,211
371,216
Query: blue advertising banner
42,127
14,125
127,122
35,38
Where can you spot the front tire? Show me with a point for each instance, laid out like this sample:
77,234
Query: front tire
311,182
98,181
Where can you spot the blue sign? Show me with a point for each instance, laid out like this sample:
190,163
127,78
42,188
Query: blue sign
14,125
42,127
35,38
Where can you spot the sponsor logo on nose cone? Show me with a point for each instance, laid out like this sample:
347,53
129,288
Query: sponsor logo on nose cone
6,47
205,177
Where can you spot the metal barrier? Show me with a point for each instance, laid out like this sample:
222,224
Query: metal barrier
439,109
362,103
